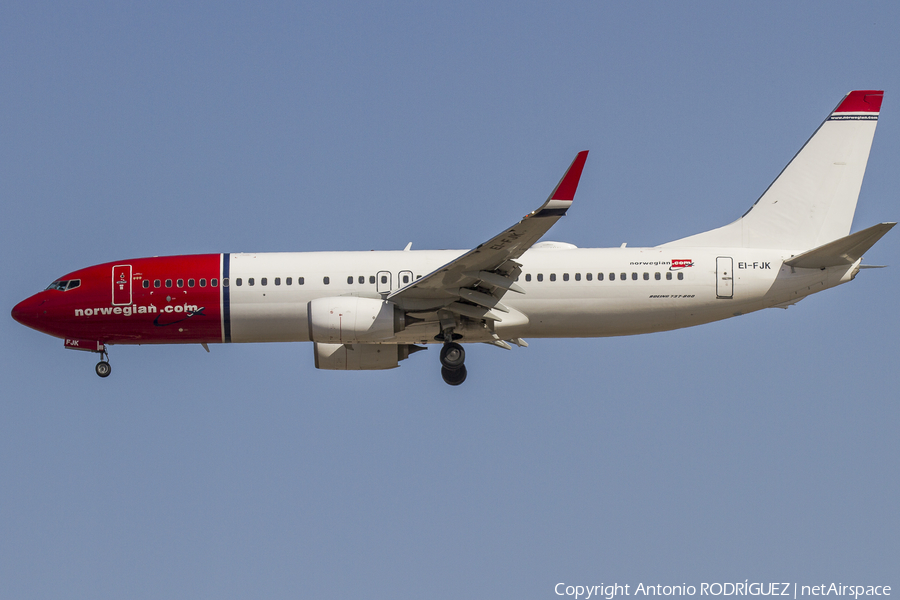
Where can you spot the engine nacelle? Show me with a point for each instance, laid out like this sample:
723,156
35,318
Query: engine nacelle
360,357
351,319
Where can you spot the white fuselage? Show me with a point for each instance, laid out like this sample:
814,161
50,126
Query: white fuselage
569,292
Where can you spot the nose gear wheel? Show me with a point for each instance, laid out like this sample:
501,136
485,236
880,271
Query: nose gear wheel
103,369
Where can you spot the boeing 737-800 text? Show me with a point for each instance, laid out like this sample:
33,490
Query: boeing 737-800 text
371,310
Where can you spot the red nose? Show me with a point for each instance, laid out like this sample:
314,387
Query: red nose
26,311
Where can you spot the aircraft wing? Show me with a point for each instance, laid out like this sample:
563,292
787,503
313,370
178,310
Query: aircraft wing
473,284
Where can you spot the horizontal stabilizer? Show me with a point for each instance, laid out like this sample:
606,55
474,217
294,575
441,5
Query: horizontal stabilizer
844,251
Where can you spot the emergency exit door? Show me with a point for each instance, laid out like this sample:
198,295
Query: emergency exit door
404,278
383,283
724,277
121,284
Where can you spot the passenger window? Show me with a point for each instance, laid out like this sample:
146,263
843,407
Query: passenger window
371,279
577,276
680,275
203,282
669,276
350,279
191,282
657,276
180,283
623,276
362,279
146,283
264,281
287,281
527,276
238,282
646,276
168,283
552,276
300,281
326,280
384,279
224,282
406,279
278,281
565,276
214,282
540,276
251,281
589,276
157,283
634,276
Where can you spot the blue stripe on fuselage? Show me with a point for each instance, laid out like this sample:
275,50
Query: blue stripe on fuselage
226,297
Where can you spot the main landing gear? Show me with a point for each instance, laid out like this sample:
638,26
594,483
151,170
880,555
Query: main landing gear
453,369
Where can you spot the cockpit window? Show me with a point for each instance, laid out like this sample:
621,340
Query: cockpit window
64,284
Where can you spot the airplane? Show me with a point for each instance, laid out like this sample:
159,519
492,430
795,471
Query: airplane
372,310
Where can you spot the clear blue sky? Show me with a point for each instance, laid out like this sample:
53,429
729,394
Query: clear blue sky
763,447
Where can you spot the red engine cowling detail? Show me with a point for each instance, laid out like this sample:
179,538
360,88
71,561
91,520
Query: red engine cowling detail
350,319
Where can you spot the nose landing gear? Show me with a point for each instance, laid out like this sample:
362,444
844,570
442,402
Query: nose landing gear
453,369
103,369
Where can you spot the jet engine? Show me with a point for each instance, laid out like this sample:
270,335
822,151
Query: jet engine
351,319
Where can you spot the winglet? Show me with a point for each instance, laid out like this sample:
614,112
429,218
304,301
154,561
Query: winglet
565,190
561,198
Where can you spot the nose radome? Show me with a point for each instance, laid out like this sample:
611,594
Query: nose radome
18,312
25,312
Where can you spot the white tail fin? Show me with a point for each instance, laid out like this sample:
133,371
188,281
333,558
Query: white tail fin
813,200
